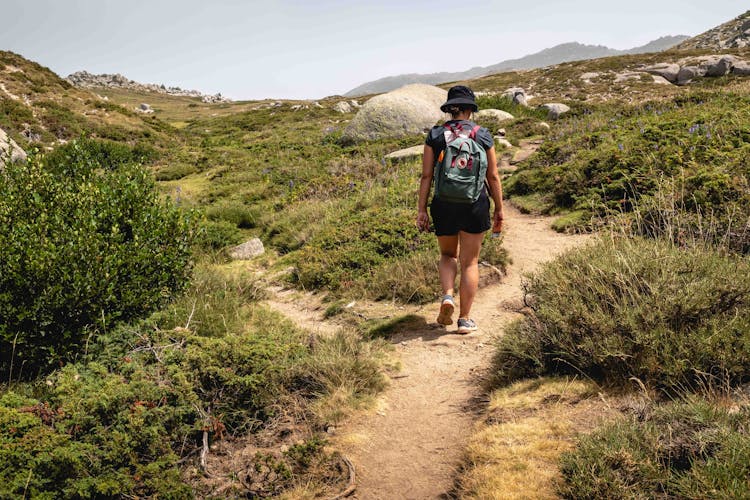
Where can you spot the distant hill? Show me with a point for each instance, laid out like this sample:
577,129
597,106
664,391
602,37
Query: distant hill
734,34
555,55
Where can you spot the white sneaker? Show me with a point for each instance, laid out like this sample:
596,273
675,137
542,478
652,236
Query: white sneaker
446,311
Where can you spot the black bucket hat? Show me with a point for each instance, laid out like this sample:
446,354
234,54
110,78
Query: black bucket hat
459,96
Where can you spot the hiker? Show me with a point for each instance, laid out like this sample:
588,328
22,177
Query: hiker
459,157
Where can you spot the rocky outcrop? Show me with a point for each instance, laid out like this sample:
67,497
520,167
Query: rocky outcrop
87,80
668,71
342,107
734,34
688,69
687,73
555,110
517,95
145,108
741,68
9,149
496,114
409,110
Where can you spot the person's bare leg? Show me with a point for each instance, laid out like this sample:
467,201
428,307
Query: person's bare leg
471,244
448,267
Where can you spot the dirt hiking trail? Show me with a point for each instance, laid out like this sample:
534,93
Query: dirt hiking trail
411,446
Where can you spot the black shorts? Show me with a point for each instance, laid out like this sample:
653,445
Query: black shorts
450,218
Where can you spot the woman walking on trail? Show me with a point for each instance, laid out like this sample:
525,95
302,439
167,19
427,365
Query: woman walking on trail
461,215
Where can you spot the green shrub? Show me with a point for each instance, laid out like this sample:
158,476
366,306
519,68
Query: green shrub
493,252
85,244
174,172
242,216
625,308
240,375
121,425
603,159
360,245
97,435
692,449
104,154
215,235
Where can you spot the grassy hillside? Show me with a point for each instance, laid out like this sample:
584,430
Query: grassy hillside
337,218
39,109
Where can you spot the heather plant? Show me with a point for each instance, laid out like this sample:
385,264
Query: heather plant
627,308
688,449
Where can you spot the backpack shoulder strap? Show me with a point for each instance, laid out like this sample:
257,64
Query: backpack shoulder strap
473,134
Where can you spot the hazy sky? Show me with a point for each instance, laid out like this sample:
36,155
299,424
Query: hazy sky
309,49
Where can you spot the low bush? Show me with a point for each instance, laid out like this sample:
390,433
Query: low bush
87,242
123,422
691,449
493,252
96,434
215,235
104,154
605,159
242,216
359,246
624,308
174,172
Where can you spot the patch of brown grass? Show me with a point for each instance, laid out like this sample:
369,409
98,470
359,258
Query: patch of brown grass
514,453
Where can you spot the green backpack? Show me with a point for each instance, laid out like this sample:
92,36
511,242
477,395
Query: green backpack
461,168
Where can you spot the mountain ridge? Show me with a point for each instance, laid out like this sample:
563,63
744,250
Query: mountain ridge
564,52
87,80
733,34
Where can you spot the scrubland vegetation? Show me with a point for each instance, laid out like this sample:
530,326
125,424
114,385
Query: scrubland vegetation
657,305
129,347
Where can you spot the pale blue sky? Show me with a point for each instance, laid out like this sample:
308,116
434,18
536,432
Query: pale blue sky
310,49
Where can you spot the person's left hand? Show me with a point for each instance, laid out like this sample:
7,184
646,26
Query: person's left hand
497,222
423,221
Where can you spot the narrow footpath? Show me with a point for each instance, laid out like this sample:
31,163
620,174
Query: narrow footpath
410,446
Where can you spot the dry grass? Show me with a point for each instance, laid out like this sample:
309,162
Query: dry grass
514,453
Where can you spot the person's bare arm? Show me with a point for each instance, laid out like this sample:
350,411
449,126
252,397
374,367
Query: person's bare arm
496,190
428,165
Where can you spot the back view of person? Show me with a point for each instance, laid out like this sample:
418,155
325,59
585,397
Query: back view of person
460,207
